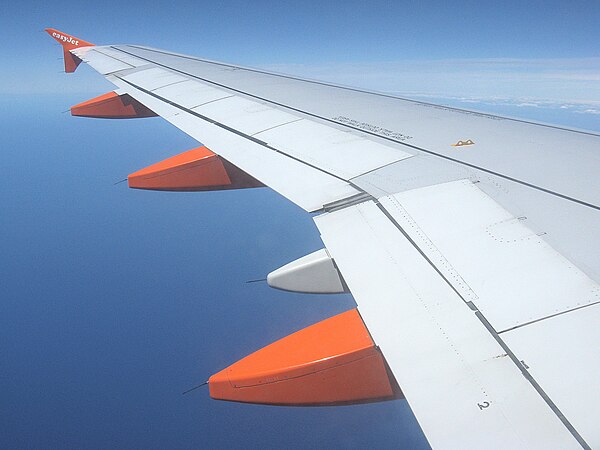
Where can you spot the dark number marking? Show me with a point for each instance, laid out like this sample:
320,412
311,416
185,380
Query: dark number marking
483,405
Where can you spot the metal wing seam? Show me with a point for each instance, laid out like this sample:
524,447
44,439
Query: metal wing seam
466,290
432,339
349,88
229,129
395,141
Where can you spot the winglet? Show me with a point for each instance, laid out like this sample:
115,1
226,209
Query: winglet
68,43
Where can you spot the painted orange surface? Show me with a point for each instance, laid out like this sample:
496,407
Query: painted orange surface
195,169
112,106
198,169
71,61
68,42
332,362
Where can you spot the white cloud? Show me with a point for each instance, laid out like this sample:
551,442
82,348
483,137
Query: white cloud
571,85
589,111
529,82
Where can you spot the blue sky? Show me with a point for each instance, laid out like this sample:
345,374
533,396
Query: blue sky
114,301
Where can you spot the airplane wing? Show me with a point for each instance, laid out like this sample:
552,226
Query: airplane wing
469,242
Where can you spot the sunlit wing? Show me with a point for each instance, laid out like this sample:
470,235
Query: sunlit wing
468,240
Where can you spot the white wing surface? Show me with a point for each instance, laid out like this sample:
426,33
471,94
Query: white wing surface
469,241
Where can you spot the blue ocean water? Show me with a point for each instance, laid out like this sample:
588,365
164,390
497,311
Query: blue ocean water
114,301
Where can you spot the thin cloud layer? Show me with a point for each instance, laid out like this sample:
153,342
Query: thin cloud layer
537,83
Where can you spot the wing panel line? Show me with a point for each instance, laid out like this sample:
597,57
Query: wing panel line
110,56
492,331
212,101
533,382
549,317
430,152
227,128
352,89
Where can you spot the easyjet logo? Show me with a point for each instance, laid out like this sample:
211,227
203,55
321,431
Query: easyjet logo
65,39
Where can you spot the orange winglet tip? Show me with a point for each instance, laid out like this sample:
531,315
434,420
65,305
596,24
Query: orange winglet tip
198,169
68,43
332,362
112,106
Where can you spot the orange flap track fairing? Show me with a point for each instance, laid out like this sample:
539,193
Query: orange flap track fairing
198,169
332,362
112,106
